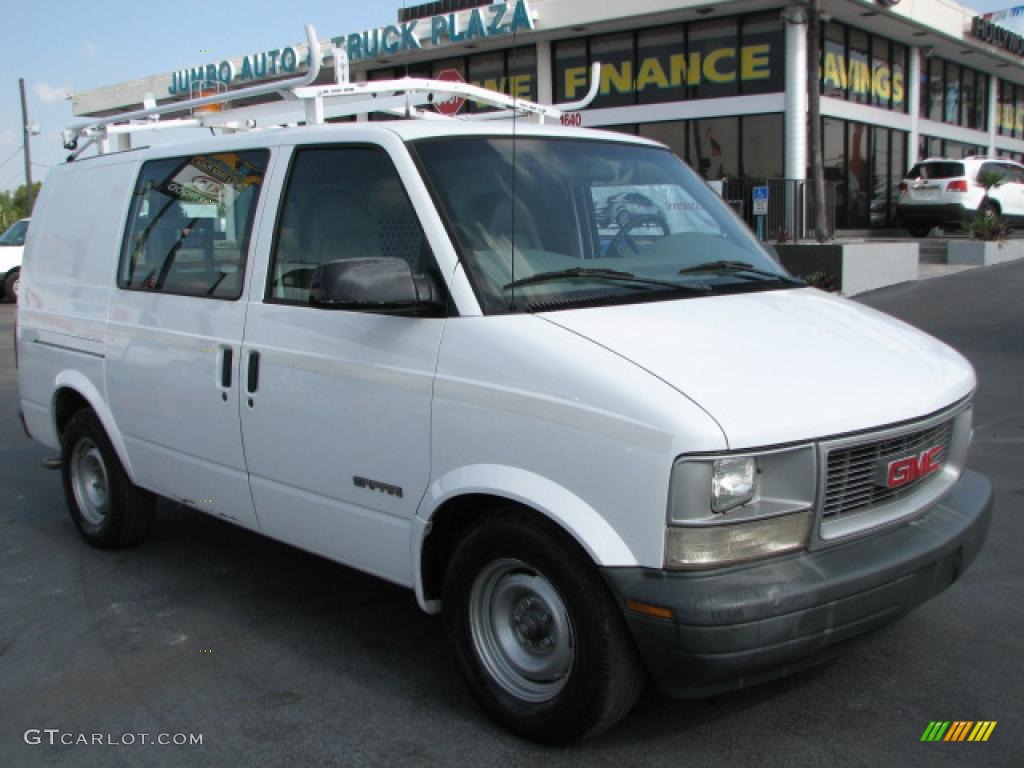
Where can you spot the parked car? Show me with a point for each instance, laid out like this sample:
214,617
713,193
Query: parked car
624,207
402,346
947,193
12,244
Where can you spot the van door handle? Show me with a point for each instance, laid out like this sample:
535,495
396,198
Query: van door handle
226,359
254,372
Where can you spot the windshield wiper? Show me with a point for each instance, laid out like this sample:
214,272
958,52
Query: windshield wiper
606,274
740,266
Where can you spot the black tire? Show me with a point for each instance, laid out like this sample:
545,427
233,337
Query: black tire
112,512
919,230
988,210
605,675
11,284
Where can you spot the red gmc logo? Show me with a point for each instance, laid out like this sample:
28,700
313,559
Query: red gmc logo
907,470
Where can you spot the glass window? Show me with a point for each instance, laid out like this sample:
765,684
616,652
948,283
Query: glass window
881,73
833,78
898,166
980,101
762,54
662,73
522,72
712,48
967,98
189,223
570,65
936,90
858,191
834,156
325,218
878,204
439,66
615,52
545,223
762,143
714,147
488,71
951,112
899,78
858,68
671,134
15,234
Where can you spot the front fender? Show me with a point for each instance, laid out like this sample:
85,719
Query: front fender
575,516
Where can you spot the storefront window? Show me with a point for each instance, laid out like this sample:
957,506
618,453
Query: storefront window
980,101
488,71
712,48
834,151
881,73
761,54
661,73
951,113
936,90
967,98
858,68
858,191
878,201
762,140
571,76
672,134
834,66
521,70
615,52
714,147
897,168
898,78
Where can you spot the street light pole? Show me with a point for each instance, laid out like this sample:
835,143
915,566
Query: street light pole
25,148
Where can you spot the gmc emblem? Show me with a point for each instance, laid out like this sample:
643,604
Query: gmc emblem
900,472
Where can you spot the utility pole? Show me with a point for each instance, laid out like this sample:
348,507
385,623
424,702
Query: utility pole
29,201
821,229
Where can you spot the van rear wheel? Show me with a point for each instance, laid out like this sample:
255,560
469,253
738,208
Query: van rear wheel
107,508
536,633
11,284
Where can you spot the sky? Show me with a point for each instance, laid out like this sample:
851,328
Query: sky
59,46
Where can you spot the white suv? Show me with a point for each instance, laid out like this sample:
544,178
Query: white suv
12,244
941,192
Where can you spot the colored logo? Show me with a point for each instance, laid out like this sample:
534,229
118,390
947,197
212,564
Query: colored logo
958,730
900,472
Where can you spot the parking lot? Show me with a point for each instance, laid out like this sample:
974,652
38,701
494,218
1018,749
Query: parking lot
278,657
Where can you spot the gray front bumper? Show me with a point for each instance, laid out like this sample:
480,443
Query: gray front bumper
743,625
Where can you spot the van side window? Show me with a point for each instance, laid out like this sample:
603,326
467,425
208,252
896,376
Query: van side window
341,203
189,224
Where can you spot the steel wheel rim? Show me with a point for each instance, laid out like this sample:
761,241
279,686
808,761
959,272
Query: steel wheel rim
90,482
521,630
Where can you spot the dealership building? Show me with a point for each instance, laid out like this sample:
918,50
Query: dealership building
724,84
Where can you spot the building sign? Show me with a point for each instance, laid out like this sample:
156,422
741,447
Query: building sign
859,78
1003,29
721,65
495,20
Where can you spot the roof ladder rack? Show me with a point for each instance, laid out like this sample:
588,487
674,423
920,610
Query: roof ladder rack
302,102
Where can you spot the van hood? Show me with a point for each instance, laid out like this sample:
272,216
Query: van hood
782,366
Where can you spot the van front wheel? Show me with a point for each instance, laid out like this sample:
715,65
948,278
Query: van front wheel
536,633
11,284
108,509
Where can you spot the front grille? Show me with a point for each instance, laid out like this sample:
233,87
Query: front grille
850,482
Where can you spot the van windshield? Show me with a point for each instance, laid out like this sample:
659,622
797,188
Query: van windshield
551,223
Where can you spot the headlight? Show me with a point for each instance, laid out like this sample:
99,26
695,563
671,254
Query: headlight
733,482
726,509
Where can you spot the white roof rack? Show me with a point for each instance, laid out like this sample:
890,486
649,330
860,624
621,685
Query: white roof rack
305,103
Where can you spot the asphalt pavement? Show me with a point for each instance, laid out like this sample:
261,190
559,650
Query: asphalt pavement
277,657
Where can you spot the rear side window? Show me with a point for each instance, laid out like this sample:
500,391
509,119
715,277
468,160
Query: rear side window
342,203
936,171
189,224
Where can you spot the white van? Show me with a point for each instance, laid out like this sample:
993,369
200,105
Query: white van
606,448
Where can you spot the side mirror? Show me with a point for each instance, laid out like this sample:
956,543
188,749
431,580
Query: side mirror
372,284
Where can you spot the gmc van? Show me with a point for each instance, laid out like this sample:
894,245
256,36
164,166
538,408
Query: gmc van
606,448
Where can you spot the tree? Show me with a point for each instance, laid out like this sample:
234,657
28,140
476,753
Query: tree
14,205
